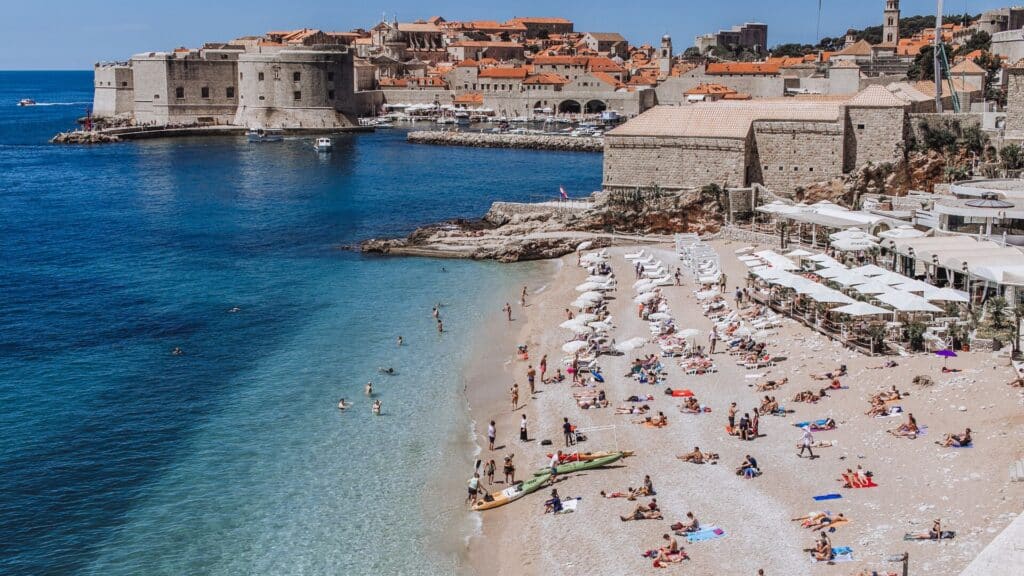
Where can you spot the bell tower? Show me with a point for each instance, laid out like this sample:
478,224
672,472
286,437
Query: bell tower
891,22
665,56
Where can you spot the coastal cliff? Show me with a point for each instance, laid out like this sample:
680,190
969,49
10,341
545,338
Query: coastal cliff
506,140
511,232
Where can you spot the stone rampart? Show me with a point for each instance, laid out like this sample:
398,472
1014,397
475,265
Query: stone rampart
486,140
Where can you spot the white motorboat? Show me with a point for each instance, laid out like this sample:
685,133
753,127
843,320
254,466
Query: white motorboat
265,135
323,144
26,102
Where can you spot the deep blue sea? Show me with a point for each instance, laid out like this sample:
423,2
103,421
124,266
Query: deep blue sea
117,457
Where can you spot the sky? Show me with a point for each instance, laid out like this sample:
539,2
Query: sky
73,34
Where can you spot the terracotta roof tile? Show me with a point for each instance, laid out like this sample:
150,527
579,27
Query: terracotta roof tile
545,78
511,73
727,68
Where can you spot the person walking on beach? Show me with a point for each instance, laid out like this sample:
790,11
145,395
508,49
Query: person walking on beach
522,298
556,459
522,430
509,469
543,366
489,471
732,416
491,433
722,283
508,311
568,432
473,488
712,339
679,276
515,396
531,377
806,441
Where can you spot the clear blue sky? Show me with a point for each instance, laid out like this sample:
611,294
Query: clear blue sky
72,34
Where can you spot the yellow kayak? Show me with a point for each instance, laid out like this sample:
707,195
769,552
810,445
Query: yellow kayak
512,493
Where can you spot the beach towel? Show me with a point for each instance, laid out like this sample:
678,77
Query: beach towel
842,554
816,425
945,535
828,497
893,412
705,534
870,484
569,506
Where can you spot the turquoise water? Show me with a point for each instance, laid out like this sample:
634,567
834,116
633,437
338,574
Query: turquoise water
121,458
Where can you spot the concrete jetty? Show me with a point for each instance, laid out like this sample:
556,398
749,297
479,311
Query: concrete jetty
505,140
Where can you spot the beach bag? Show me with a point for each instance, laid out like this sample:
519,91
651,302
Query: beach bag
545,442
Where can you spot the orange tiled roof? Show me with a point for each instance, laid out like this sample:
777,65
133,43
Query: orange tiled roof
607,79
468,63
568,60
727,68
469,98
484,44
545,78
511,73
737,96
709,89
602,64
536,20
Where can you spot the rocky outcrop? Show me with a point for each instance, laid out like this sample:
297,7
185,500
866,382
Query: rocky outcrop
83,137
505,140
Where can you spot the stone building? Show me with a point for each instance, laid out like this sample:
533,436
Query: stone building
1015,102
185,86
606,43
114,92
779,143
891,23
751,36
543,26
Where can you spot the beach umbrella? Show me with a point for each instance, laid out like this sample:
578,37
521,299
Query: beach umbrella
592,295
660,316
688,333
601,279
849,279
832,271
574,346
584,318
907,302
587,286
892,278
861,309
799,253
872,287
830,296
630,345
946,355
582,304
869,270
854,245
601,326
645,298
945,295
580,328
584,245
568,324
852,234
904,231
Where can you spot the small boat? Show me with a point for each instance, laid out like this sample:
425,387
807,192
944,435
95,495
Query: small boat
26,102
513,493
587,456
265,135
581,465
323,144
380,124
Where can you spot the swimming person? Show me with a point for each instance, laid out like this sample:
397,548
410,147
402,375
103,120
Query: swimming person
342,405
369,388
400,341
376,407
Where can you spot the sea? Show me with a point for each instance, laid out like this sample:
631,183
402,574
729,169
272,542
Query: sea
119,457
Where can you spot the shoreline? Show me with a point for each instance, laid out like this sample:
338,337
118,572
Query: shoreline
112,135
552,142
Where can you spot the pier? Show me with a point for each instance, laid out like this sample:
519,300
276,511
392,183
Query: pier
505,140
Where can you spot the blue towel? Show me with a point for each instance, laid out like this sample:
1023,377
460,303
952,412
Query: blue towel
597,376
816,422
828,497
705,534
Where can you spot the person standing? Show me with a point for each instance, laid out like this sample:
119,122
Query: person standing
543,366
473,488
713,339
508,311
509,469
732,417
556,459
531,376
489,471
806,442
515,396
568,432
522,298
523,437
491,434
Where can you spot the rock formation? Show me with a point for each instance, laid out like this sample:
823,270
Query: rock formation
83,137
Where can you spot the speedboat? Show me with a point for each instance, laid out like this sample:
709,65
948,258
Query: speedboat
26,102
323,144
265,135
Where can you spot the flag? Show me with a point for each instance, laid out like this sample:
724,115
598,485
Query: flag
561,190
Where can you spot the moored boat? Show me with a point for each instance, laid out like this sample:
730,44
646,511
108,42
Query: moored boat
265,135
323,144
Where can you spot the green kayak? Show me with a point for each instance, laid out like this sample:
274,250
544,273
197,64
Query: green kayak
570,467
512,493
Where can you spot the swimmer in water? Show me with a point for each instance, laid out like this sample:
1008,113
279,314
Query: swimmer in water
376,407
235,309
342,405
389,370
176,351
401,341
369,388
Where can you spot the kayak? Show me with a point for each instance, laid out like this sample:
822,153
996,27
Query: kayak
570,467
512,493
584,456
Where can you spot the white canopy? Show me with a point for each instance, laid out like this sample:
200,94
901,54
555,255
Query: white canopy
872,287
570,324
912,285
630,345
766,273
829,296
869,270
849,279
892,278
584,318
907,302
799,253
592,295
688,333
645,298
776,260
854,245
660,316
861,309
852,234
902,232
945,295
582,304
574,346
587,286
832,271
579,328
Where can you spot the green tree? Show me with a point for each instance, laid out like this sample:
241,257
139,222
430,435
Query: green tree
923,67
997,311
1012,157
980,41
915,335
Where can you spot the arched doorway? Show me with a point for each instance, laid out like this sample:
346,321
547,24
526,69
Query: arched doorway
569,107
595,107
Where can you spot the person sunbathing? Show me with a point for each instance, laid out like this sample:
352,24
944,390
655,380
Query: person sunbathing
670,553
690,406
641,512
647,398
633,410
837,373
825,521
828,424
809,396
888,364
690,525
890,395
660,420
557,377
878,408
1018,383
772,385
822,551
698,457
908,429
616,494
957,440
933,533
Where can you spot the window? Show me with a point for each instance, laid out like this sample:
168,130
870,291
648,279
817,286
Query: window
179,92
330,94
229,92
156,96
260,78
297,95
205,91
811,169
241,76
330,76
263,97
860,126
296,76
124,84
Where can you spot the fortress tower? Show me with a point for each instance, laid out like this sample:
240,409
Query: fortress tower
891,23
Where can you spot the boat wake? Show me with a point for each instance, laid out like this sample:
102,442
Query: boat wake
60,104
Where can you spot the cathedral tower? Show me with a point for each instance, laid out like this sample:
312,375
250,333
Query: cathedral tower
891,23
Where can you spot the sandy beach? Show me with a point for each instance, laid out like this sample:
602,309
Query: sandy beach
918,481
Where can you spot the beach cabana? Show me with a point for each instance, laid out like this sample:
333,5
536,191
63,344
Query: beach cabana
861,309
832,272
945,295
776,260
907,302
869,270
872,287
